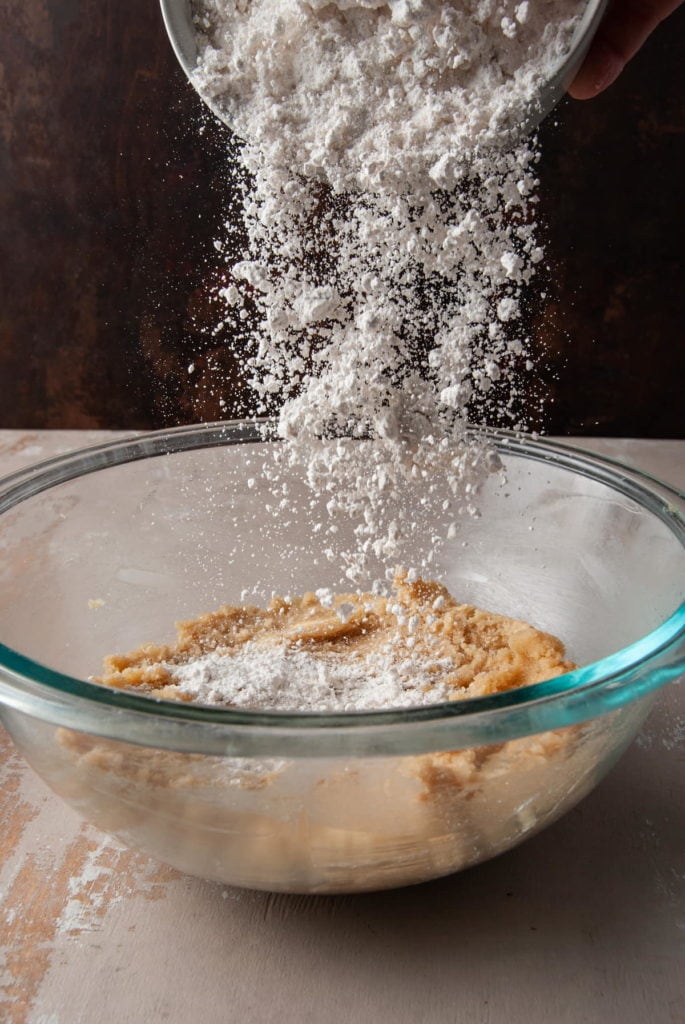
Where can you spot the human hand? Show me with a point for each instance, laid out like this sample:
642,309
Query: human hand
623,30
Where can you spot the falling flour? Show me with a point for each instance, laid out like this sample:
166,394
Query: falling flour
390,235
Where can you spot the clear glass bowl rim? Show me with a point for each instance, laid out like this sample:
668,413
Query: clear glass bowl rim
607,684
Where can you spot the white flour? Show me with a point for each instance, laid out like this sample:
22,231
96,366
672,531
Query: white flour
392,313
378,95
286,678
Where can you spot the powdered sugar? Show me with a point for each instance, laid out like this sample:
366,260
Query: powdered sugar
286,678
382,326
394,319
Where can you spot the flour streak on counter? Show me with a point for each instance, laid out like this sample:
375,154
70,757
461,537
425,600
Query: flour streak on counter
59,879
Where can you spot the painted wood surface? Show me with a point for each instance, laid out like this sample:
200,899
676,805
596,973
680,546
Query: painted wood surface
583,924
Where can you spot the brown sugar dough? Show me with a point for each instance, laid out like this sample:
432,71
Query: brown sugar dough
471,651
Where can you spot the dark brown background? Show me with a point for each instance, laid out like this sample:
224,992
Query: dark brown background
110,197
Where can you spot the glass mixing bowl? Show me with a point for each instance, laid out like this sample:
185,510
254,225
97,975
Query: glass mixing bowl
105,548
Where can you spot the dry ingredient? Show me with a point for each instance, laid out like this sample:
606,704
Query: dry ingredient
389,241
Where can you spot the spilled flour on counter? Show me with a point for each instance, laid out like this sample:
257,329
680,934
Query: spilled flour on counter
390,235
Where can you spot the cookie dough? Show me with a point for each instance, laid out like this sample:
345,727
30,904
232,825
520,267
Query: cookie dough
457,651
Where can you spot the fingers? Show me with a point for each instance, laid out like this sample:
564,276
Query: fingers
622,32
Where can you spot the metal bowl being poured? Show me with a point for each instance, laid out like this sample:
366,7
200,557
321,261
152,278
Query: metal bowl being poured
178,20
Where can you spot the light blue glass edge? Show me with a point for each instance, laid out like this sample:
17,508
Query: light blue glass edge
594,689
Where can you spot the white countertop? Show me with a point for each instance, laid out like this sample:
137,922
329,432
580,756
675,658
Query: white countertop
582,924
